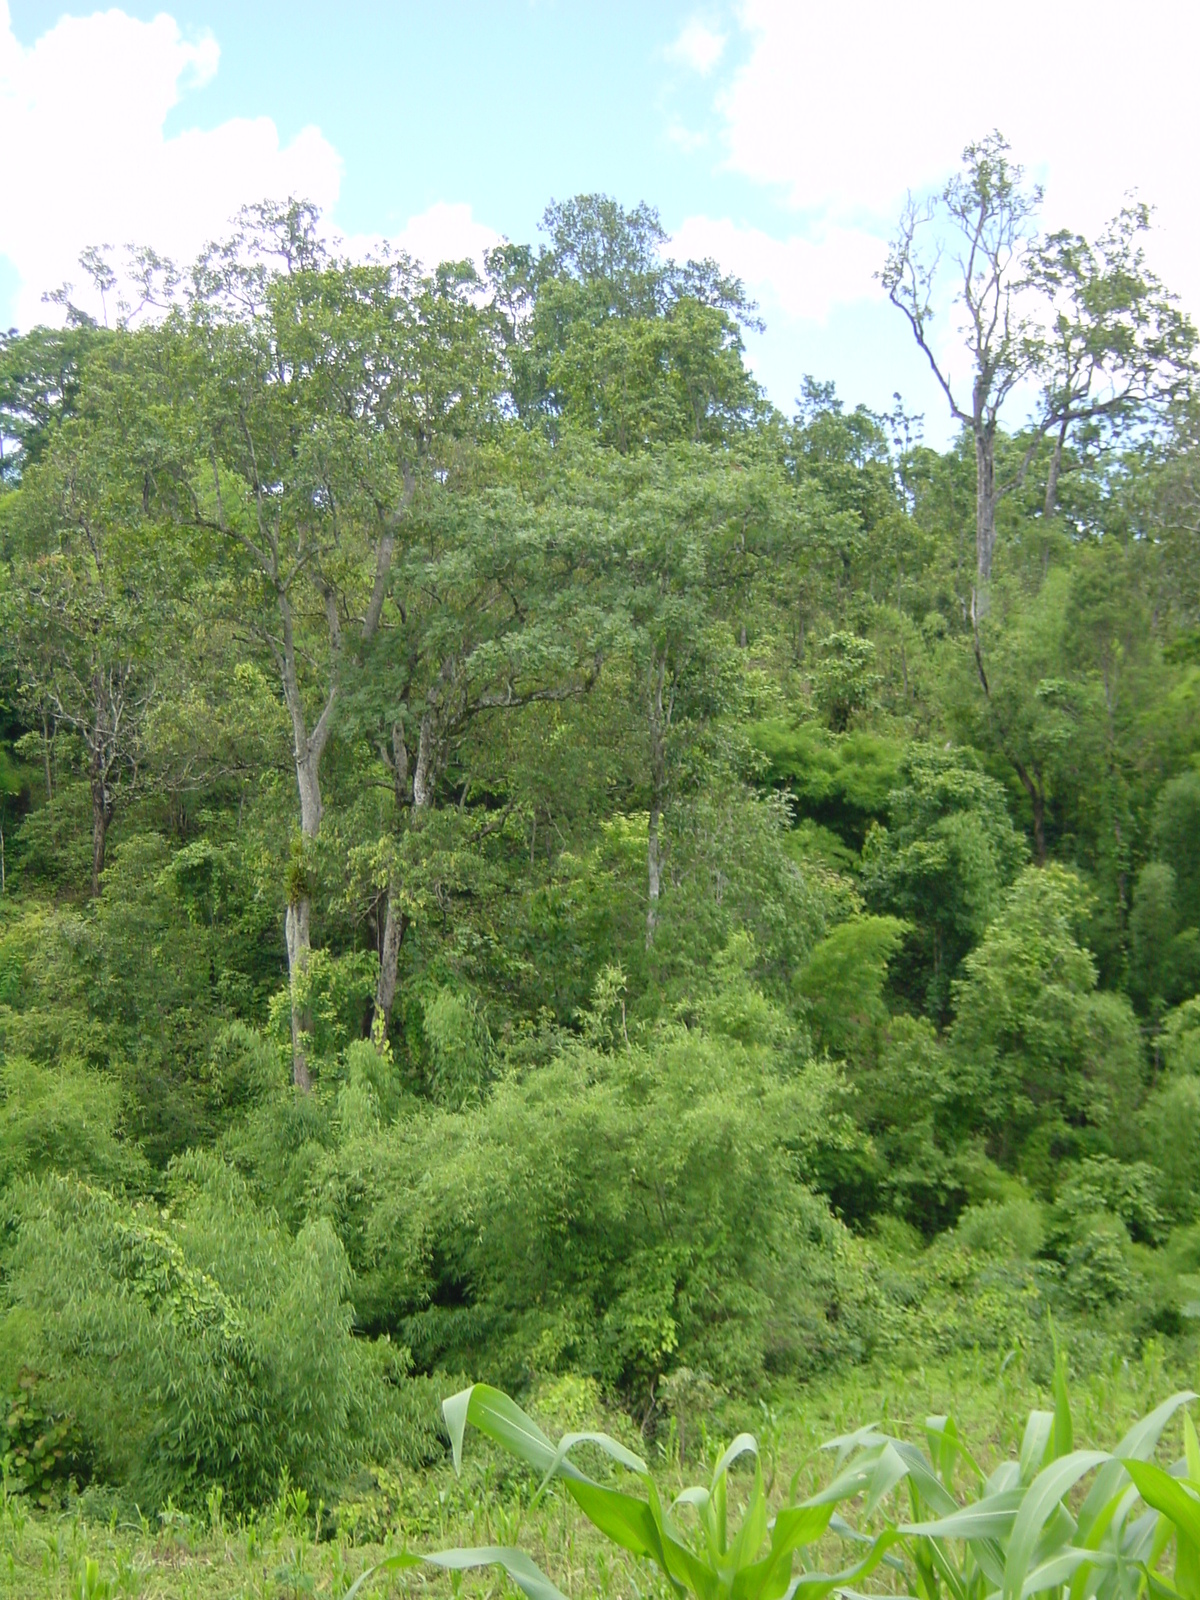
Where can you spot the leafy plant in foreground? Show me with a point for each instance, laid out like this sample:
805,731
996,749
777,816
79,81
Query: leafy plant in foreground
714,1563
1020,1531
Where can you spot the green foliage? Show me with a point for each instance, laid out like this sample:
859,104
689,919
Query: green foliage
516,860
1175,839
458,1045
65,1119
613,1215
1044,1061
942,862
842,982
196,1346
41,1451
1009,1529
1169,1125
844,782
843,682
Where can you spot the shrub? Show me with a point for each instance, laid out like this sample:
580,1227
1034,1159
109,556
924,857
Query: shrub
616,1215
1169,1124
198,1345
1042,1058
65,1118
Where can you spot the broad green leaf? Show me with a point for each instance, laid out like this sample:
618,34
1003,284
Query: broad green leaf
1041,1502
1191,1447
1039,1434
1138,1444
624,1518
990,1518
500,1419
889,1470
794,1527
753,1530
744,1445
864,1438
815,1585
1064,1433
603,1441
1166,1494
531,1581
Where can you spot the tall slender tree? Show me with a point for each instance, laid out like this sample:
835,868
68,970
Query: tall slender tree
328,397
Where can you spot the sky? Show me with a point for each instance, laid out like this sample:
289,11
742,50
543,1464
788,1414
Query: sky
779,136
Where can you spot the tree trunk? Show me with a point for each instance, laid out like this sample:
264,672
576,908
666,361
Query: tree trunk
1053,474
102,814
298,948
395,926
658,785
1037,799
46,759
985,517
299,909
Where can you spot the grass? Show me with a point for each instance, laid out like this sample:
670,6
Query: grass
296,1549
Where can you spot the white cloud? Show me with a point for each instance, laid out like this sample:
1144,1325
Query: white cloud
698,47
85,108
845,108
804,278
689,140
446,232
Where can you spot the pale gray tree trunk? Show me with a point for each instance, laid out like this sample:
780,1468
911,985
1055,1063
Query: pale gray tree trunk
102,815
1051,504
421,799
307,749
985,518
298,917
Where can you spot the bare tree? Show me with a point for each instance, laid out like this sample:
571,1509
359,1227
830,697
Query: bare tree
981,228
1091,326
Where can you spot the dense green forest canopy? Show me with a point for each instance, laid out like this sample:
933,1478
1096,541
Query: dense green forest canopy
518,858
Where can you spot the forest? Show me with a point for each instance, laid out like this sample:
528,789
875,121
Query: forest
522,864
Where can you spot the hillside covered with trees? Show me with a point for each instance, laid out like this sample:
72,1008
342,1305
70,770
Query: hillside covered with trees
521,861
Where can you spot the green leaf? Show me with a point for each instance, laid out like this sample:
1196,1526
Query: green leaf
794,1527
1168,1496
1191,1448
1039,1435
531,1581
500,1419
1064,1434
1041,1502
989,1518
1138,1444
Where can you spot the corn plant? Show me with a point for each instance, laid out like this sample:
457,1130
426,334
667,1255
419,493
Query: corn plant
753,1562
1012,1536
1015,1535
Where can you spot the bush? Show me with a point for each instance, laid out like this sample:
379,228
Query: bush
1044,1062
1169,1124
65,1118
615,1215
198,1345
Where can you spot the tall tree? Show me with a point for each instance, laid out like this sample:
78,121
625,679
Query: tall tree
1114,348
89,604
329,395
983,223
1091,326
481,621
